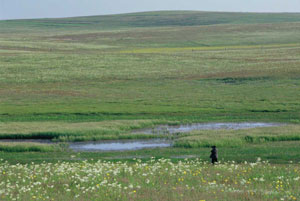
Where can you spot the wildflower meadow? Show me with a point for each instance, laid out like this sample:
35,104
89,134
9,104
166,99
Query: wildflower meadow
155,179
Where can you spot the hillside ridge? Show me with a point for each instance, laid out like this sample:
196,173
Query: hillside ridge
160,19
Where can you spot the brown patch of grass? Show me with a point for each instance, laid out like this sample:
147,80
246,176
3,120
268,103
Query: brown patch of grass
233,74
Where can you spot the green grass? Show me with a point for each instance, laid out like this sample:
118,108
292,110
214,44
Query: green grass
27,147
78,131
152,19
275,152
99,77
151,180
239,138
47,86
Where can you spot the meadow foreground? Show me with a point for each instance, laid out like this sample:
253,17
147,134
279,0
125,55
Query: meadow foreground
155,179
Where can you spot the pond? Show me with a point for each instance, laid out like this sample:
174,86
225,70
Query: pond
122,145
183,128
119,145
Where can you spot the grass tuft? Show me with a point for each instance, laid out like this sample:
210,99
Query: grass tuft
26,147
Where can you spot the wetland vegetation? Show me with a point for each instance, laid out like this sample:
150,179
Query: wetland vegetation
106,77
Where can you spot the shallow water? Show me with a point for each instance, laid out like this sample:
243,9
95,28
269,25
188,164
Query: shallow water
183,128
119,145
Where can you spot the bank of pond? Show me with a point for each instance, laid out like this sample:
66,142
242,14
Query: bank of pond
161,136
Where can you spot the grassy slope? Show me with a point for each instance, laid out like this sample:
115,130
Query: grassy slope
192,66
116,67
178,66
156,19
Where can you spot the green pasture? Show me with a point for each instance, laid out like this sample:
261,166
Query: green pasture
99,77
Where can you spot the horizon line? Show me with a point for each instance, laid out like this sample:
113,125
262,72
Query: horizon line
126,13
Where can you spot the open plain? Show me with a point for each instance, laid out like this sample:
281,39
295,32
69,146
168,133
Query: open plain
103,78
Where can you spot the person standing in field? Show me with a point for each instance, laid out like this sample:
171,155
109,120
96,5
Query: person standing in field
214,155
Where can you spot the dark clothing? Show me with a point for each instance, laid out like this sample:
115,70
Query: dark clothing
214,160
214,155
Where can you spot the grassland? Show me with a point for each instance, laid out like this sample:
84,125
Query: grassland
153,180
63,70
239,138
27,147
99,77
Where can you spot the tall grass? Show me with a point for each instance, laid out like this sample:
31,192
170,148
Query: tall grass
79,136
238,138
233,142
149,180
27,147
78,131
261,139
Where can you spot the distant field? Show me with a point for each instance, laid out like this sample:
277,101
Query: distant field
99,77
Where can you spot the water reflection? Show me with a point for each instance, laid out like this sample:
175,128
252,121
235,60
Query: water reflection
119,145
164,129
